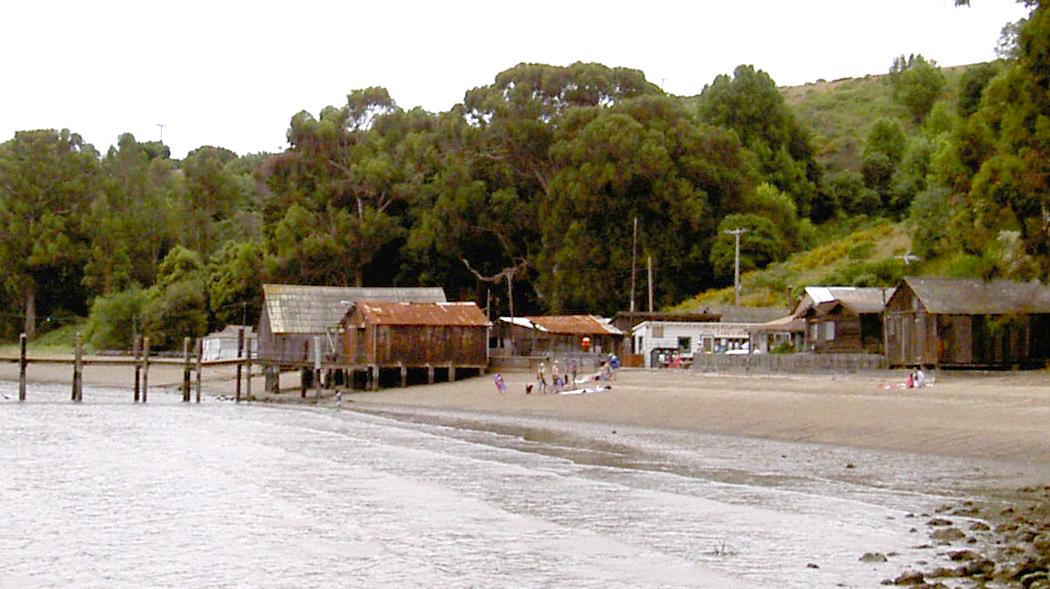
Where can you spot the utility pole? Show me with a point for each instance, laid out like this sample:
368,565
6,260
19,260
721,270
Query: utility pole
650,283
161,125
736,272
634,254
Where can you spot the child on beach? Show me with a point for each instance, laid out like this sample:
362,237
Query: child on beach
501,385
541,378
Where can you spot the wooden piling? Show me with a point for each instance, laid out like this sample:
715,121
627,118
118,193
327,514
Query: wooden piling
451,372
240,350
145,368
430,374
22,363
136,347
248,369
302,382
78,367
200,365
404,375
185,370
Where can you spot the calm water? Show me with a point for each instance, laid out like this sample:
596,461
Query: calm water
110,494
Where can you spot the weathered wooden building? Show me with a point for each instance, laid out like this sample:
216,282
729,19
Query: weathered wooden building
556,334
406,336
293,316
843,319
967,323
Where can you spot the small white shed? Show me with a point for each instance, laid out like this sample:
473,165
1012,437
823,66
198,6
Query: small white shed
222,345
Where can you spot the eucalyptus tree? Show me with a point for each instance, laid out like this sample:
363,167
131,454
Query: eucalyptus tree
750,104
48,179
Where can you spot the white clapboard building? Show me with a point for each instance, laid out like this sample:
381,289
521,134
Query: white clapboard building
658,341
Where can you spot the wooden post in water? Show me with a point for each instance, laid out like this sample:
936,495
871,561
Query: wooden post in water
78,367
22,367
145,368
200,365
248,368
185,370
240,350
302,382
137,347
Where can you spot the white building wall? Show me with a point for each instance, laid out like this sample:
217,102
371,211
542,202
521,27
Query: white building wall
645,341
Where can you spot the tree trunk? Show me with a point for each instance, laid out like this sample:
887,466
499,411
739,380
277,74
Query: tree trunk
30,325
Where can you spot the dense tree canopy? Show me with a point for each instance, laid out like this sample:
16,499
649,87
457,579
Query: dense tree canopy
529,189
749,104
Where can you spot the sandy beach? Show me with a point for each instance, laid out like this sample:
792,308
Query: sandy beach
999,416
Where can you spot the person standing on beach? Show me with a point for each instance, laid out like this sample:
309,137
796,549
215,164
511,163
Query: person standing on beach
555,376
541,378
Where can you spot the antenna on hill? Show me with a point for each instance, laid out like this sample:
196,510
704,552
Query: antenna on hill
161,125
908,258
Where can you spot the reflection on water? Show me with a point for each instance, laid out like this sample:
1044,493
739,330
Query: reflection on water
112,494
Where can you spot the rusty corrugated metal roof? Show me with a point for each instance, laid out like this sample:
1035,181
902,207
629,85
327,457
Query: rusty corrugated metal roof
574,325
316,309
451,314
977,297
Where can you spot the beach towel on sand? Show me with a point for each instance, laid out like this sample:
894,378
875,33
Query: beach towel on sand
586,391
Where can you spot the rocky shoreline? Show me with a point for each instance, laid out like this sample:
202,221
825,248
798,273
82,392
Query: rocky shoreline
999,542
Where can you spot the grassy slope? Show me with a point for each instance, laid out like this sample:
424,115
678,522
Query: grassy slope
840,114
875,241
56,341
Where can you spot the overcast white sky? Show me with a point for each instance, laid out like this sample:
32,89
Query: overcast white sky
232,73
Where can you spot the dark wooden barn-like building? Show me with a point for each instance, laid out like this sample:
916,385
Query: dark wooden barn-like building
968,323
293,316
388,336
843,319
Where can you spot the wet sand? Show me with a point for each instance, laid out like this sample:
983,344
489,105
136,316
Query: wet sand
997,416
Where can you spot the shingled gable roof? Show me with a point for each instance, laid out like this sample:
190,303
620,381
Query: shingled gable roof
948,296
859,300
315,309
419,314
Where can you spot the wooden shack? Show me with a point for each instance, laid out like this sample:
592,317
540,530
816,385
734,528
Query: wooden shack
556,334
293,316
968,323
843,319
379,336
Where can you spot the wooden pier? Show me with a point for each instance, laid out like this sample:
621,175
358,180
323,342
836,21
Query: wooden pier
141,360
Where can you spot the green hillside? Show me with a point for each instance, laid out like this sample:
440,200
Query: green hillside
862,255
840,113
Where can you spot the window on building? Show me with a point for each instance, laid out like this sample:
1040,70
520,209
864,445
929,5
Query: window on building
685,344
658,331
638,348
814,331
829,330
